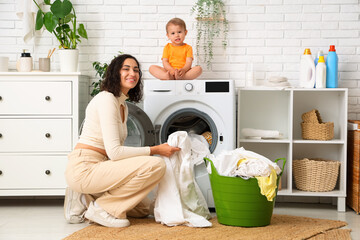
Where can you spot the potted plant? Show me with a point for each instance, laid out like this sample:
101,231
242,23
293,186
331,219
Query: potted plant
60,20
211,24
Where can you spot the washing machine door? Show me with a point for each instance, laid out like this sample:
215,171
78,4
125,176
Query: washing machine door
140,128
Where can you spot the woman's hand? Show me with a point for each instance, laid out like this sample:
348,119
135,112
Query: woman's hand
164,150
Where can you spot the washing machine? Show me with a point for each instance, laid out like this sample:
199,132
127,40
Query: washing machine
195,106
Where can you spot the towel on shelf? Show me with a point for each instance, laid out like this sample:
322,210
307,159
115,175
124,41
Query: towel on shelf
259,133
26,11
179,200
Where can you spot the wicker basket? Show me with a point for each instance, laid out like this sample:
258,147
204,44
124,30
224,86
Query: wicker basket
317,131
311,117
315,175
314,129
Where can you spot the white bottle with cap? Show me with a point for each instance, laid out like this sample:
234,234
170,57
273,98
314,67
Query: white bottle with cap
25,62
321,73
307,70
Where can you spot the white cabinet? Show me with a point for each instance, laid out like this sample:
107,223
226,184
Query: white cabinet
281,110
40,114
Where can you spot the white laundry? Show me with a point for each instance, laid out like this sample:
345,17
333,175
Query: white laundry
259,133
26,11
179,199
255,165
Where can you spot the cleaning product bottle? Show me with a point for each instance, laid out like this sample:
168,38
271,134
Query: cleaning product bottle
320,53
320,73
25,62
332,68
307,70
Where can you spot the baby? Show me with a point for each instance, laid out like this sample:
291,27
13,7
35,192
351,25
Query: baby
177,56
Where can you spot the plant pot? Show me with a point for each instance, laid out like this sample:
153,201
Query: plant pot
69,60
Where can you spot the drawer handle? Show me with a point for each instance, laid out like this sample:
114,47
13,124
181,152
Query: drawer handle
48,135
0,172
0,135
47,172
0,98
47,98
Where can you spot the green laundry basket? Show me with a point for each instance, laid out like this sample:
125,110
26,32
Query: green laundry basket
238,202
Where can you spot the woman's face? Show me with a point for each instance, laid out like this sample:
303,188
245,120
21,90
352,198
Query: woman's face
129,74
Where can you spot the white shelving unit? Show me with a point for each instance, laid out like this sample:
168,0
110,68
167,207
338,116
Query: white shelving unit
281,110
40,114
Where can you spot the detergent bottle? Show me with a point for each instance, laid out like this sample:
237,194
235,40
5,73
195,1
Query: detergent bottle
332,68
320,70
307,70
320,53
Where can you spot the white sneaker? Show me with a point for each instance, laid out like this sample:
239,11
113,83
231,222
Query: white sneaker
74,209
100,216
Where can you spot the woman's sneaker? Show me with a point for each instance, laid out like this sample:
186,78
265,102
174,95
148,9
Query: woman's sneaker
100,216
74,209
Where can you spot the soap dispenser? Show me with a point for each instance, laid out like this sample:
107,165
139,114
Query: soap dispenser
25,62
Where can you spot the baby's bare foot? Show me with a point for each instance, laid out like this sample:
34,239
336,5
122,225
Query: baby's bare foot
177,75
169,76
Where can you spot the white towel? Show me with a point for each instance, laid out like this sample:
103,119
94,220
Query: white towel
179,200
26,11
259,133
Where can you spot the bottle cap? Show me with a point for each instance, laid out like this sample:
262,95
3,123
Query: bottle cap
332,48
307,51
321,59
320,53
25,54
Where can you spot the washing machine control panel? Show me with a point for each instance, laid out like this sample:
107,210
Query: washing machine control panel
189,87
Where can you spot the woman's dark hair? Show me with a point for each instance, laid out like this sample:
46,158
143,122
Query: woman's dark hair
112,81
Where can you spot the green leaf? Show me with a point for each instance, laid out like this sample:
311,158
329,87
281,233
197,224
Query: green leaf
66,27
47,2
50,21
82,32
39,20
68,18
61,9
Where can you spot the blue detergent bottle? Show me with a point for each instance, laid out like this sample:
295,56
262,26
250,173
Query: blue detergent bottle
332,68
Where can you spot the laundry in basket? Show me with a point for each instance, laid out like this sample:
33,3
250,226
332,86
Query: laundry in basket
238,201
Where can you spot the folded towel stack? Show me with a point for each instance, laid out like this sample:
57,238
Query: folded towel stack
260,134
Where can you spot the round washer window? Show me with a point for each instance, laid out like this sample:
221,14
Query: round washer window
191,121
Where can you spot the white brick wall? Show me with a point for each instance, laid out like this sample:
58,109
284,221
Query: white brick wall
270,33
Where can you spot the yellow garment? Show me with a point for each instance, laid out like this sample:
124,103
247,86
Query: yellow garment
241,160
177,54
267,185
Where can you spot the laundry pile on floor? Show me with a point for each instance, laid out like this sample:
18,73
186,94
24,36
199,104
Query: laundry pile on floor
179,200
247,164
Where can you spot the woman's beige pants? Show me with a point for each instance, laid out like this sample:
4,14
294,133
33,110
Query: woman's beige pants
119,187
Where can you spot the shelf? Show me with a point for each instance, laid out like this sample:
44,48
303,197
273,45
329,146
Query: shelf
334,141
264,140
335,193
281,110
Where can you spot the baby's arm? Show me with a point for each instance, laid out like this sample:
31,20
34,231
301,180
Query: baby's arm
167,66
186,67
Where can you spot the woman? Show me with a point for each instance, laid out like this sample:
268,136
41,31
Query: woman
113,180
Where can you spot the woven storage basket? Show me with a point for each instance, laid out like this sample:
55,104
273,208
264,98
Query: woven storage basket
312,127
315,175
317,131
311,117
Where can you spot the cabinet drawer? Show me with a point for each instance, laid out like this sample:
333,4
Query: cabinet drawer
34,135
22,172
35,98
